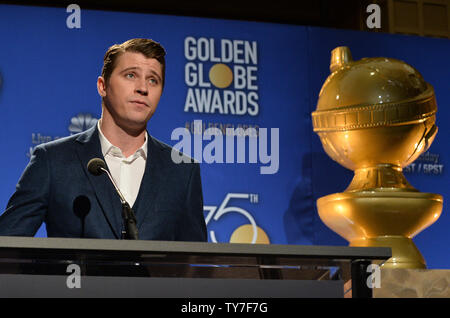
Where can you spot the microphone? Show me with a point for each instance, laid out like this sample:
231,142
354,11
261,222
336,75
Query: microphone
97,166
81,208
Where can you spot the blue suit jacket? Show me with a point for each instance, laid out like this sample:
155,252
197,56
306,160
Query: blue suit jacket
169,205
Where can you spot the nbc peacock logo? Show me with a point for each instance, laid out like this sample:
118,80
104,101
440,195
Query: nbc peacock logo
81,122
78,123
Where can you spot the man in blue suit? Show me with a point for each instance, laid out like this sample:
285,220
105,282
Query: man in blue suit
166,197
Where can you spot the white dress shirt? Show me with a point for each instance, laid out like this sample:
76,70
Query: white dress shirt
126,172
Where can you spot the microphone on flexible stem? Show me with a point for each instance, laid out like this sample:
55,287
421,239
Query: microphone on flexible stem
97,166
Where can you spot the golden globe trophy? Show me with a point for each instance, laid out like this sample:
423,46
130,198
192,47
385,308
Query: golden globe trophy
376,116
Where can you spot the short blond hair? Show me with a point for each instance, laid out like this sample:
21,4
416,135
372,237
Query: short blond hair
147,47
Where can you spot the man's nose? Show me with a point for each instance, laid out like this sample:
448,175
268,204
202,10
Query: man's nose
141,88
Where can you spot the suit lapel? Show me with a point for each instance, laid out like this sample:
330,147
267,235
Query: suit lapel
89,147
151,181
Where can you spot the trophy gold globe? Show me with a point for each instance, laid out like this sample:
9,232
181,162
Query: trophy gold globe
375,116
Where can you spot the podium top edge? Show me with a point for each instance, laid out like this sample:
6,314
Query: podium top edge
193,248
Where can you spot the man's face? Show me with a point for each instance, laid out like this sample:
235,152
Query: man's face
132,93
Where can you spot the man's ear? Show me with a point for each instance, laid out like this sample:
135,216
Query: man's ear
101,86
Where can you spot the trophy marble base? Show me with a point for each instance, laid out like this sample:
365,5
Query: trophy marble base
413,283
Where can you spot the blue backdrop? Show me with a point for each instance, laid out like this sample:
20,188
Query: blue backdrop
48,90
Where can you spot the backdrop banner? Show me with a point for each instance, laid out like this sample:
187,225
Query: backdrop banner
238,98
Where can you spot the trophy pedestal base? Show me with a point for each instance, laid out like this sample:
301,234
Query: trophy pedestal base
388,218
405,254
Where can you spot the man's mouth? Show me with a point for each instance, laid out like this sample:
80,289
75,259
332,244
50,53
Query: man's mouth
139,102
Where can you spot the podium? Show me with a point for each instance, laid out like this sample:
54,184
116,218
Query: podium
63,267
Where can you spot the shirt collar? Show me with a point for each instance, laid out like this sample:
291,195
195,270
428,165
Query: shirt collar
109,148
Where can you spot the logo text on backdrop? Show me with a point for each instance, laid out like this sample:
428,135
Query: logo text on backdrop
221,76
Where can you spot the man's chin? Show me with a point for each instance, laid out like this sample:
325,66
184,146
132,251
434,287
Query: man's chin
134,126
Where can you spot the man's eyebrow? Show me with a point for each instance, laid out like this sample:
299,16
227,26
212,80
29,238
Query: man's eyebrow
129,69
156,74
